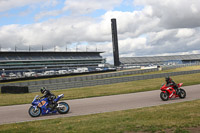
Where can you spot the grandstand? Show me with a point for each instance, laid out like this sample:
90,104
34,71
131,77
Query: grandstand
40,60
160,60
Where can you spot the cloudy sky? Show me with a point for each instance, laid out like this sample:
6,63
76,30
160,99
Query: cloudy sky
145,27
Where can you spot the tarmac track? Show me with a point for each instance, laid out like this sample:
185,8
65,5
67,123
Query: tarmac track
19,113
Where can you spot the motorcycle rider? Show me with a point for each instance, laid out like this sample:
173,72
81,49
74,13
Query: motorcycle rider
170,82
47,94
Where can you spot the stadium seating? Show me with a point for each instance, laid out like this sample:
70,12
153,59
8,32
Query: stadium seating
158,60
16,60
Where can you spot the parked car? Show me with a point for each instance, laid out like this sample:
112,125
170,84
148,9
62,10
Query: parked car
29,74
62,71
49,72
12,75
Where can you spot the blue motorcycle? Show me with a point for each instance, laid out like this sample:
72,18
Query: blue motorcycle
41,106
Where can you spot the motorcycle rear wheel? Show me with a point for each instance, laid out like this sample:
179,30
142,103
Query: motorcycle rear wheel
34,113
64,109
164,96
182,93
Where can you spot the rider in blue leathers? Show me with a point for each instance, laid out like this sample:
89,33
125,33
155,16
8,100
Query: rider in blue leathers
47,94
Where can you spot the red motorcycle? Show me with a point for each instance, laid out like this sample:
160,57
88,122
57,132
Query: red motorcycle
169,92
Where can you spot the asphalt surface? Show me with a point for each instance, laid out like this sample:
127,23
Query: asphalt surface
19,113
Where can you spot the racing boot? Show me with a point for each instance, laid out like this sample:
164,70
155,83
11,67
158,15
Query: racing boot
54,106
177,91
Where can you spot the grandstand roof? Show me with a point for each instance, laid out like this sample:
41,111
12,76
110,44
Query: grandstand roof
48,52
47,55
157,59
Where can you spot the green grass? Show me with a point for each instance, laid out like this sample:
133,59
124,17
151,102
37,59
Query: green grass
102,90
172,117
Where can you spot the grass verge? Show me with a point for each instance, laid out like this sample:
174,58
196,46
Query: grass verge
177,117
102,90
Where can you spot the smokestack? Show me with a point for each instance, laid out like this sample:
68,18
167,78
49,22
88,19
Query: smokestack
115,42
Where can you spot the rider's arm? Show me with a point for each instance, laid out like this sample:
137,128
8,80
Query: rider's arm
42,97
173,82
45,95
169,84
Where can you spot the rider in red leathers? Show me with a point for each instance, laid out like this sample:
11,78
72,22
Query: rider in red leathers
170,82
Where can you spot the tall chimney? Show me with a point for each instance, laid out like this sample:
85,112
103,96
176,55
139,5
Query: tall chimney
115,42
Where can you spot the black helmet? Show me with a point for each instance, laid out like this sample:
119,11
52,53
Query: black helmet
43,89
167,79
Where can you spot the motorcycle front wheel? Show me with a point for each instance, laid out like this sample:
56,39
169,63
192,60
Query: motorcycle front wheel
164,96
182,93
34,112
63,108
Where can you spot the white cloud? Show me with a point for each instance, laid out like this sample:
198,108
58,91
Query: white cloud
131,24
79,7
194,9
11,4
174,14
185,33
51,3
47,13
133,44
54,32
155,37
161,27
87,6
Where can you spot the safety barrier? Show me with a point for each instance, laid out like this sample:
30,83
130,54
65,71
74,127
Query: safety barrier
14,89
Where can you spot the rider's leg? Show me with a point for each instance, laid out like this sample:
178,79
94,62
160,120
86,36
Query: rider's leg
176,89
54,104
